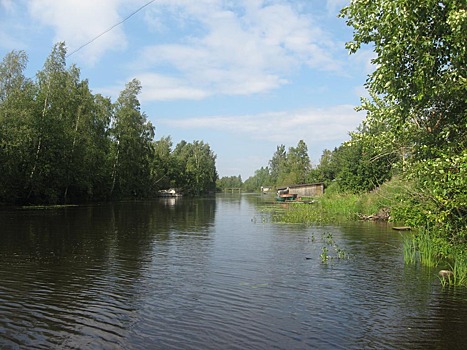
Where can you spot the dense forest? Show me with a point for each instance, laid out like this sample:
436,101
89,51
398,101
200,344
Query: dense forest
60,143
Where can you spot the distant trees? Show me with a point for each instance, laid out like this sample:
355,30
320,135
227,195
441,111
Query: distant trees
262,177
292,166
286,167
229,182
61,143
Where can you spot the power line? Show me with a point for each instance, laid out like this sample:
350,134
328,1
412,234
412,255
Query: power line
109,29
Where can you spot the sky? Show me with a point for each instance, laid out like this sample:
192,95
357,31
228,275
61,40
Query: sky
243,76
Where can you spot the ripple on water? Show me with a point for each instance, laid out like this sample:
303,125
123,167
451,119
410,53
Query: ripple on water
144,278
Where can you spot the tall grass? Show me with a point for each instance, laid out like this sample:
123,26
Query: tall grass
410,250
459,269
428,247
334,206
430,251
326,209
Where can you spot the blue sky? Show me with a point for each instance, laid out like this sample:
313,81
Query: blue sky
243,76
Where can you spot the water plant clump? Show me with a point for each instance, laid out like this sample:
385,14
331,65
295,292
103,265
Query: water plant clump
330,250
324,255
427,249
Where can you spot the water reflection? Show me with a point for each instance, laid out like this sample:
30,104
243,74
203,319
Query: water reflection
72,276
207,274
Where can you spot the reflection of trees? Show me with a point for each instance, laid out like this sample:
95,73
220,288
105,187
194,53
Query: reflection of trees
184,214
87,259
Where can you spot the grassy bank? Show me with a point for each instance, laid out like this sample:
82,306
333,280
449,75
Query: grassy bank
425,246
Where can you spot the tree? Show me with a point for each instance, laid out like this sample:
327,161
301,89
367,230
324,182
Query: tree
133,148
360,168
51,126
278,164
17,103
229,182
162,164
195,165
327,169
421,66
298,164
60,143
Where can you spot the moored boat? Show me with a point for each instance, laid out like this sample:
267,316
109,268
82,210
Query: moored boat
286,197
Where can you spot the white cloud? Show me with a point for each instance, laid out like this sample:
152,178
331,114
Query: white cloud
78,21
314,125
160,87
249,48
7,5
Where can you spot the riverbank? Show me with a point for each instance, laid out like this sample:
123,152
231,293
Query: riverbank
423,245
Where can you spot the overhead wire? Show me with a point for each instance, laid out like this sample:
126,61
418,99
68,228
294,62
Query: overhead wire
109,29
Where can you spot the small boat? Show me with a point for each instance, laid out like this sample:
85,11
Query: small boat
402,228
286,197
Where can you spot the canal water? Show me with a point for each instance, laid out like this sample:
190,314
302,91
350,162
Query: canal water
213,273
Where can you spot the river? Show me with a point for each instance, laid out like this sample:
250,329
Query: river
213,273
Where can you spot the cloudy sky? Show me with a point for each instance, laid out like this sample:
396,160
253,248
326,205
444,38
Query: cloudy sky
243,76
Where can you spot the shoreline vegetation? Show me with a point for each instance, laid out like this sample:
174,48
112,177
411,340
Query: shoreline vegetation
422,246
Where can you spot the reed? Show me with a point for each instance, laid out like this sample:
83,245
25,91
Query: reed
459,269
410,250
430,251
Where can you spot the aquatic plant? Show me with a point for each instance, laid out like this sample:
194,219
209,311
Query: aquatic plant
459,269
327,238
429,250
410,250
324,255
329,243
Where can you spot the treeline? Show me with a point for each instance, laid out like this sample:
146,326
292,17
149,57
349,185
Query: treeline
60,143
351,167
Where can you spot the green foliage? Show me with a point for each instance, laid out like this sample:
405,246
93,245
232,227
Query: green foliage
229,182
327,170
262,177
298,164
60,143
421,56
361,168
441,192
133,151
286,167
195,165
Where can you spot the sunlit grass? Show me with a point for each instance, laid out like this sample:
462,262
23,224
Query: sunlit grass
429,251
426,247
325,209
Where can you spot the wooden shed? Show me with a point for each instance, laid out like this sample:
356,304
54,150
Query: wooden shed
304,190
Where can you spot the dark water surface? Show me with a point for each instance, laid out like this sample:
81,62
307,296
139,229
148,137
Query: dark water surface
213,274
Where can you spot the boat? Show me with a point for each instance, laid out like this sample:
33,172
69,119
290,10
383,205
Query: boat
286,197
